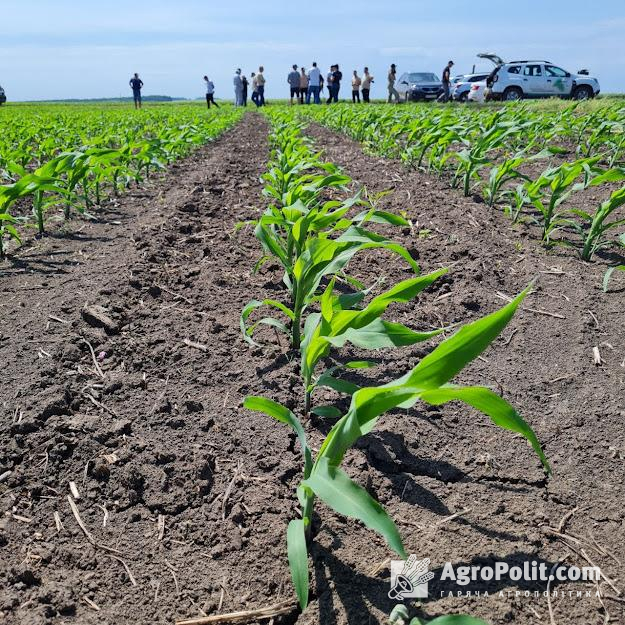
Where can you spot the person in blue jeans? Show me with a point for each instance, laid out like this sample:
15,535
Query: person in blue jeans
136,84
314,84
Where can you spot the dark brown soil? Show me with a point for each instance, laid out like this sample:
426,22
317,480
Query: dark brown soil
197,492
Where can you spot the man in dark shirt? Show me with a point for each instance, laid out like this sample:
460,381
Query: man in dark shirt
136,83
335,85
444,97
245,83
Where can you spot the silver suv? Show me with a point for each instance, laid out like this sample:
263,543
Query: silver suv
516,80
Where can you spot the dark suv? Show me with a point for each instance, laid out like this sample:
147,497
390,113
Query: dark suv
419,86
3,97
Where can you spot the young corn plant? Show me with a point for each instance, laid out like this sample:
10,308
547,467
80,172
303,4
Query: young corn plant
477,154
311,238
429,382
7,230
610,271
517,199
321,257
502,174
555,186
594,235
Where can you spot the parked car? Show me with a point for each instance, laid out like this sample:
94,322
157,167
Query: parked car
461,85
419,86
515,80
477,93
3,97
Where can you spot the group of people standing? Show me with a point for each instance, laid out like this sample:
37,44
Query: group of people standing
241,87
305,86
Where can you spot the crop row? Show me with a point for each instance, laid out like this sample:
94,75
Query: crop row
73,160
315,229
533,163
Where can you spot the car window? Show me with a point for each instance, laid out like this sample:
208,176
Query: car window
532,70
423,77
558,72
478,78
514,69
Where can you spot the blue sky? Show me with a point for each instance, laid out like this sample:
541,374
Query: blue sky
68,49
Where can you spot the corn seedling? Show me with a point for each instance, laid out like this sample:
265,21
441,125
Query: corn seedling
429,382
298,231
554,187
607,275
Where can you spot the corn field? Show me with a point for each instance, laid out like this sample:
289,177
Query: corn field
251,360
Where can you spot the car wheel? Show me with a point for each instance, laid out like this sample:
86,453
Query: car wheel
512,94
464,97
582,93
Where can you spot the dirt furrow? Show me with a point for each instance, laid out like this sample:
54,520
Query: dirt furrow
186,489
429,465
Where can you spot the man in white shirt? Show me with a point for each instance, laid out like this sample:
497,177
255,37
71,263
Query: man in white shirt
367,79
238,88
260,86
314,84
356,82
210,92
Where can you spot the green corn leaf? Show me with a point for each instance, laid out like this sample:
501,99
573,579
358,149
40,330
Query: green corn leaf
343,495
340,386
360,364
453,354
298,560
608,275
380,217
251,307
491,404
380,334
330,412
13,233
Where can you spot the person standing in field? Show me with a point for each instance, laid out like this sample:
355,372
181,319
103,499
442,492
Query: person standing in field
136,84
329,82
254,97
446,80
356,82
392,92
367,79
238,88
293,80
260,86
244,94
335,84
315,83
210,92
303,86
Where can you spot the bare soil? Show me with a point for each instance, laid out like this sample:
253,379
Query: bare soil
186,496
